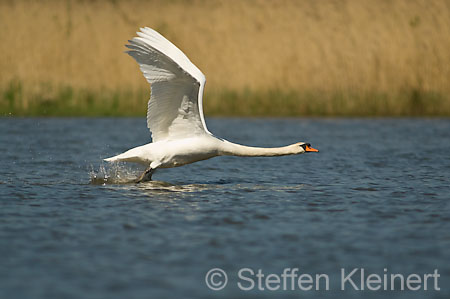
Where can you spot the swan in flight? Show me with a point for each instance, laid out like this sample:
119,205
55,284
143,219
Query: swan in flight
175,112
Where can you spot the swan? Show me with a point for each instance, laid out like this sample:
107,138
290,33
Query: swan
175,112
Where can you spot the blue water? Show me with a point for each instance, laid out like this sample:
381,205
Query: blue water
375,197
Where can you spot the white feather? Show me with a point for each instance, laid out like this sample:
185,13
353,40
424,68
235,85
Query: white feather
175,107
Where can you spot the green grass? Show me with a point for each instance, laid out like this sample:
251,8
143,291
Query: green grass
67,101
48,100
325,103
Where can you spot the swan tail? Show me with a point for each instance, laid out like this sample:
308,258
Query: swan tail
131,155
118,158
112,159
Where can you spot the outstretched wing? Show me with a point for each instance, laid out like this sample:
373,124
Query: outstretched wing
175,107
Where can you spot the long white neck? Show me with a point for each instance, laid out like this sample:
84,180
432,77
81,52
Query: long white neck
233,149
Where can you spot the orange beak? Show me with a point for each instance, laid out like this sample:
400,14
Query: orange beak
310,149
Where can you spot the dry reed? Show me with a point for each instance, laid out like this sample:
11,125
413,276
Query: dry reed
374,57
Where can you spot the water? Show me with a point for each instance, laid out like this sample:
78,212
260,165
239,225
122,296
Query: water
375,197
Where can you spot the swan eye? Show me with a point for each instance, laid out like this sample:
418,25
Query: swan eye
305,145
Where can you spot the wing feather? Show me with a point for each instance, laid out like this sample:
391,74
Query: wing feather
175,106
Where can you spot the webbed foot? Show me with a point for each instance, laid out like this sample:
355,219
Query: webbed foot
145,176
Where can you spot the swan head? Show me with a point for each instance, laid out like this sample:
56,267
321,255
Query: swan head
303,147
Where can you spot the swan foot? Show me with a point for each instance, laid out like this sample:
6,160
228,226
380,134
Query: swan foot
145,176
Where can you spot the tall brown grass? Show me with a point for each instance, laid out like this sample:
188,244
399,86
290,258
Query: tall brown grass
321,57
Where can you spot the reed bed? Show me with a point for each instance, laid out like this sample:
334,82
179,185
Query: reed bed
264,58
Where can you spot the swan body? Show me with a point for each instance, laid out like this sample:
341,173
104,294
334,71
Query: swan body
175,112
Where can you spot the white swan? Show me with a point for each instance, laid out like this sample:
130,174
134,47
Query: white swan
175,113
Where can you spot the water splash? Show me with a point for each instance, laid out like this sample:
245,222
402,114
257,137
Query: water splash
160,186
114,173
122,174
